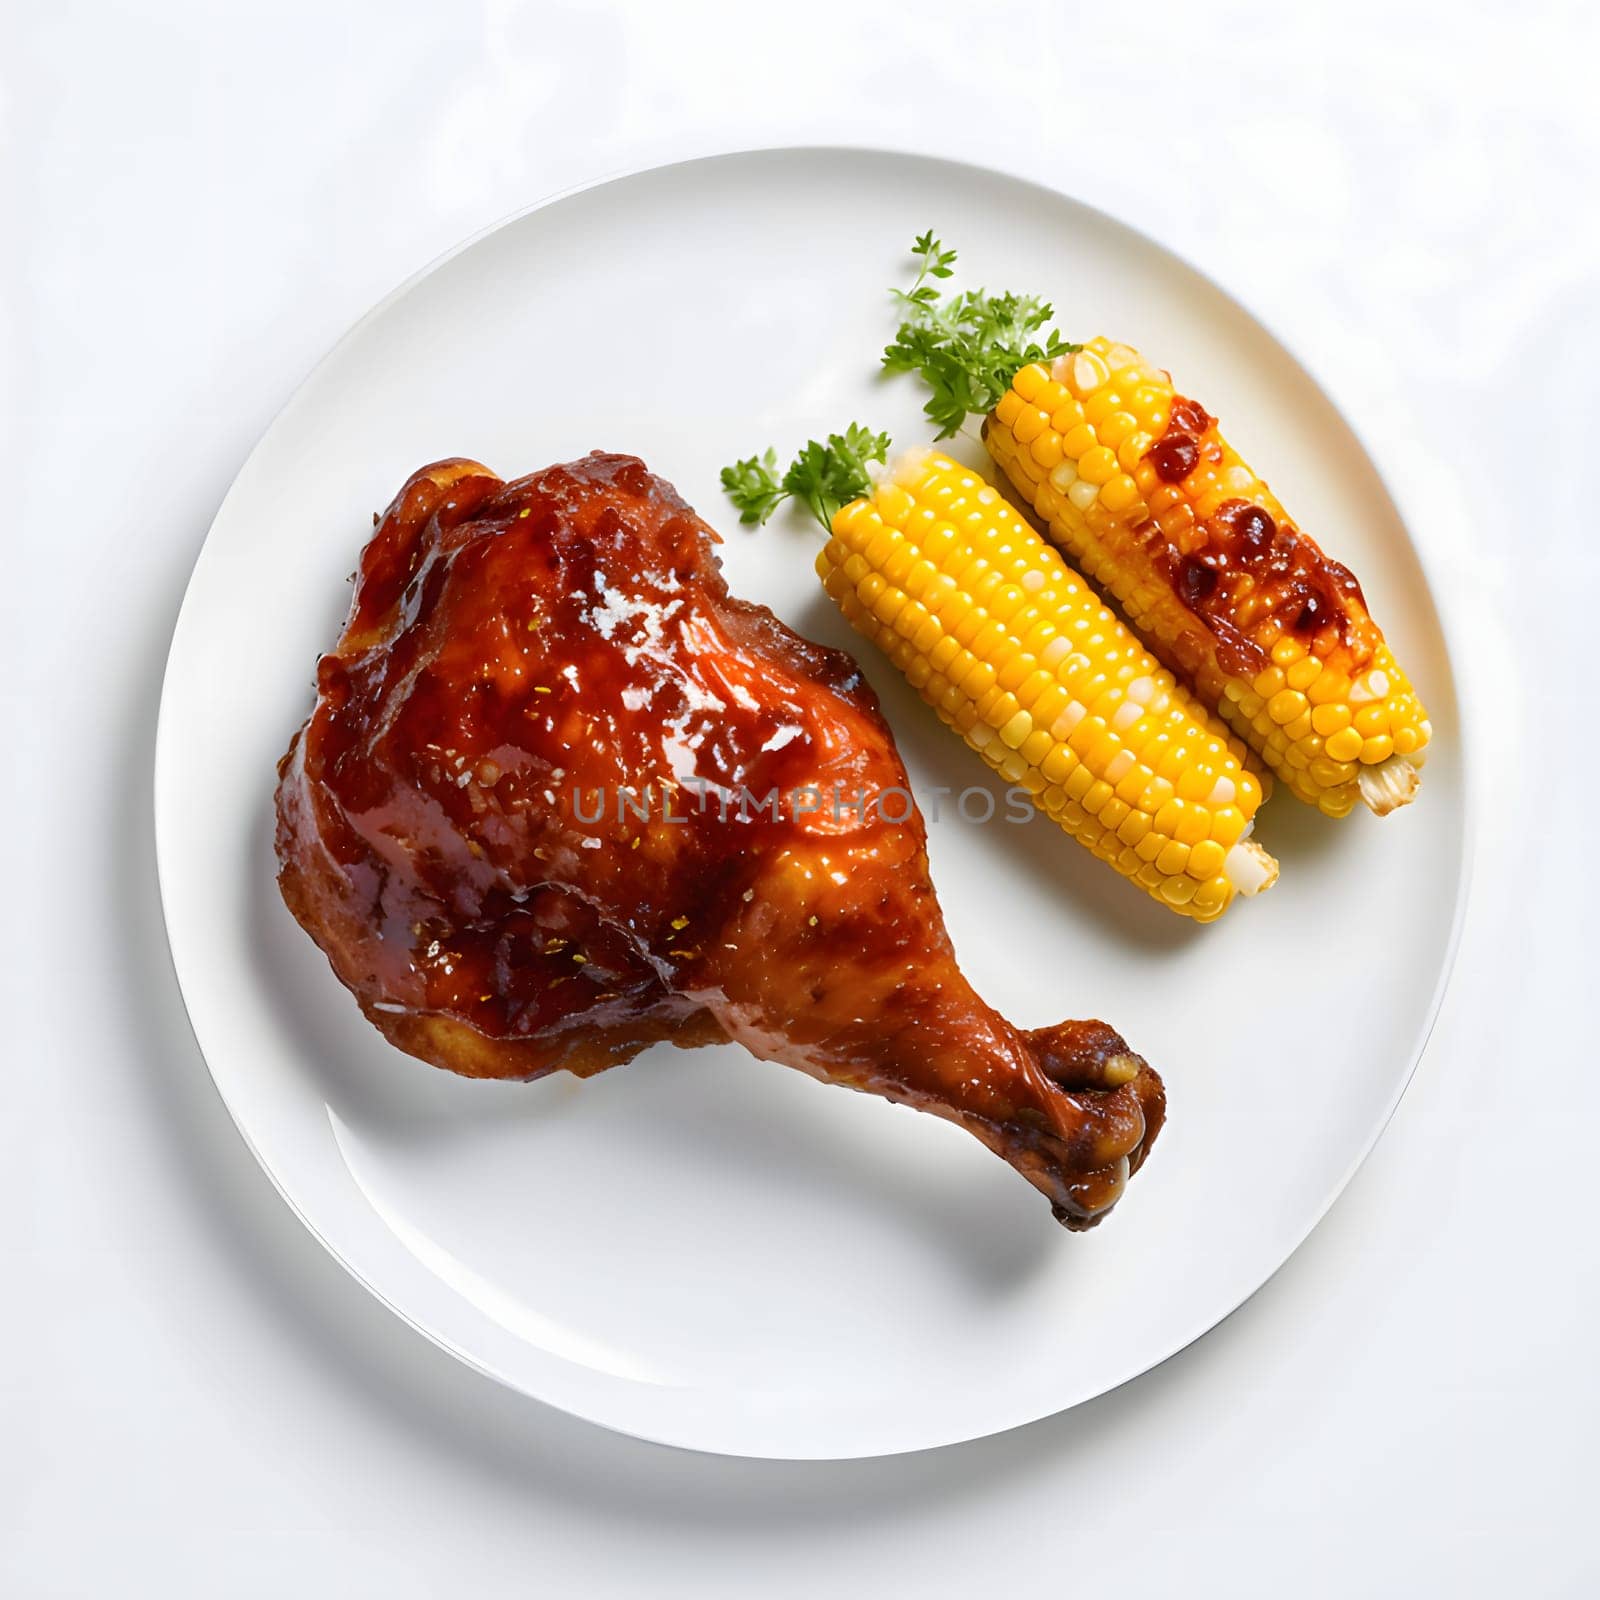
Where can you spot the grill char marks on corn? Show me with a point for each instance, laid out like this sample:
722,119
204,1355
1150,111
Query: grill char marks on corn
1138,485
1016,653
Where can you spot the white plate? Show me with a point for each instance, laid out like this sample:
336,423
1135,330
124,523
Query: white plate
700,1248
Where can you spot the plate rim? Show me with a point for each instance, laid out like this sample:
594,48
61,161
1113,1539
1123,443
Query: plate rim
1428,561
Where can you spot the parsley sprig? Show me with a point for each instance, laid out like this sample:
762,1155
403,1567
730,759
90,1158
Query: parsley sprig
824,476
966,347
754,486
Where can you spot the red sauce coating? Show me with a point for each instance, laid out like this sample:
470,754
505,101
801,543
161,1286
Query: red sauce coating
1188,416
1244,551
519,681
1174,456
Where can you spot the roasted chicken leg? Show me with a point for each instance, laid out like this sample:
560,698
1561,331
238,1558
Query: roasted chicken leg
562,796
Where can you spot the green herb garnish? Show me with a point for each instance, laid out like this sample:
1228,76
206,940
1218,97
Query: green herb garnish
754,487
825,476
967,347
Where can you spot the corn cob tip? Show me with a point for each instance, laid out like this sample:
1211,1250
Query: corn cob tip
1250,869
1392,783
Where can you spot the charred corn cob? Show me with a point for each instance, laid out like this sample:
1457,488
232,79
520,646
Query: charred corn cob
1016,653
1138,484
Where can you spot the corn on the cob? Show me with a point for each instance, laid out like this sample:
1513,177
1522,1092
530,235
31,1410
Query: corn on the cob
1138,485
1016,653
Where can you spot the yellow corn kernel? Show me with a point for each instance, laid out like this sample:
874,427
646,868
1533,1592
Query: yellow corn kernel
1303,673
1078,440
1116,428
1046,449
1098,465
1329,688
1345,745
1058,763
1030,423
1178,891
1119,493
1134,827
1016,729
1285,706
1031,382
1228,825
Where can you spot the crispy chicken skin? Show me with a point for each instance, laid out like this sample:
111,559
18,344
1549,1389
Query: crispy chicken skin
526,667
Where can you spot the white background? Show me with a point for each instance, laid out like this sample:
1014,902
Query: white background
194,1399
